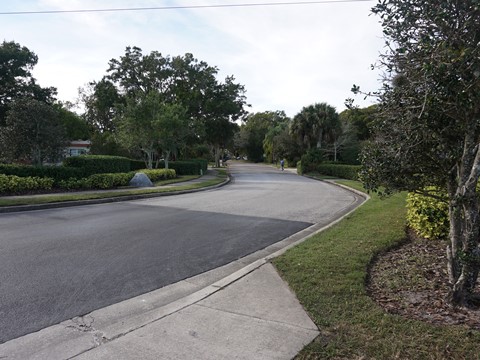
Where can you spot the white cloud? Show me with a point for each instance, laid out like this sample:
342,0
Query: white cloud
286,56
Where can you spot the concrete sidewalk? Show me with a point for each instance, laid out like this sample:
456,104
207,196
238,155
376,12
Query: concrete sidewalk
250,314
256,317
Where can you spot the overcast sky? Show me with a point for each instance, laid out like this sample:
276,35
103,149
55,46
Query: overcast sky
287,56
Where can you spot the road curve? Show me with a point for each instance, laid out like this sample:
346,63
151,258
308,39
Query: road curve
61,263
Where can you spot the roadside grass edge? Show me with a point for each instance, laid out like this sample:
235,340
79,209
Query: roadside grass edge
328,273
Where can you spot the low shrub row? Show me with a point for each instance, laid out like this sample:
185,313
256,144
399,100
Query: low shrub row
98,181
12,184
81,167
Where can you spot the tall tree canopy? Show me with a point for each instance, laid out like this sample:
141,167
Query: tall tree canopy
224,104
427,132
16,80
315,125
253,131
149,124
211,106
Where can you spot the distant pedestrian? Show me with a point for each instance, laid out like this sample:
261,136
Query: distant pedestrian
282,163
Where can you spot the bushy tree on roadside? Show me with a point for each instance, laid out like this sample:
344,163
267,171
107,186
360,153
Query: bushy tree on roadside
16,80
427,131
34,132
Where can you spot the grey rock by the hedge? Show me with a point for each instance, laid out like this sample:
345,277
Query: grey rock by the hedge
140,180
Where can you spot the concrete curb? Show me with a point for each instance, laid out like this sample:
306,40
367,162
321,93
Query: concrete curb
56,205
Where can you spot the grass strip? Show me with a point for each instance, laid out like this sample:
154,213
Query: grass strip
328,273
110,194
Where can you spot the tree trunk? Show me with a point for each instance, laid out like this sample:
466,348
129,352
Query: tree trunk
166,155
464,252
217,155
149,155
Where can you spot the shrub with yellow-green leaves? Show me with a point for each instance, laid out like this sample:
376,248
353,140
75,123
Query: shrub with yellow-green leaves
159,174
11,184
427,215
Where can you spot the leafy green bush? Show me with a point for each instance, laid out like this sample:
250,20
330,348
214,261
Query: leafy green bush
311,160
159,174
299,168
349,172
73,184
109,181
99,164
428,216
137,165
14,184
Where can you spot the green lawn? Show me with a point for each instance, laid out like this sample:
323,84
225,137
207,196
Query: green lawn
328,273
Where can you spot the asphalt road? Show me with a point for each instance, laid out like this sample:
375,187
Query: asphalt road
61,263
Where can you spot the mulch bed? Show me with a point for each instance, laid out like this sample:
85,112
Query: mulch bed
412,281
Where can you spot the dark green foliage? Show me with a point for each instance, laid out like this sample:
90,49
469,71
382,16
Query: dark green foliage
16,80
137,165
183,167
99,164
311,160
203,164
57,173
299,168
427,128
33,131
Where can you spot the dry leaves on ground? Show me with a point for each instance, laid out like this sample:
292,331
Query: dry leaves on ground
412,281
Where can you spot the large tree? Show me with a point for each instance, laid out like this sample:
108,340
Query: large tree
223,106
315,125
34,132
211,106
16,80
149,124
427,131
254,129
277,139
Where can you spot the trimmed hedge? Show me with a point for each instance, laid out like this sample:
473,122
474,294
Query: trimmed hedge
349,172
137,165
203,164
10,184
99,164
57,173
428,216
